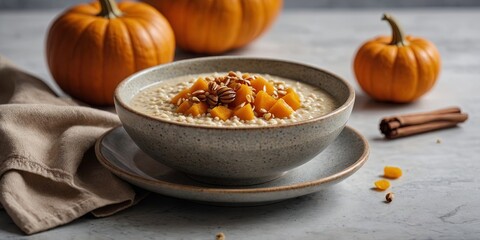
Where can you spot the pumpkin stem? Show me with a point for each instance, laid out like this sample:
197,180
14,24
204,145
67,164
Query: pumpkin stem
398,37
109,9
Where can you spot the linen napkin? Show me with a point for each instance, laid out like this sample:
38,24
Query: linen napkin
49,174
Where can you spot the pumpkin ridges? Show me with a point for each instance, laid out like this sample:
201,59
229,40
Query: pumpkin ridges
142,52
224,29
405,75
424,70
176,21
229,16
175,18
77,54
383,62
159,25
204,26
362,67
271,15
155,37
432,52
60,50
369,70
120,59
249,27
90,77
73,71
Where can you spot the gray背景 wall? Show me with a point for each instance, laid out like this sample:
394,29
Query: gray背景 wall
49,4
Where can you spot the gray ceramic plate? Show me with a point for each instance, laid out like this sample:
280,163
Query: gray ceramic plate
116,151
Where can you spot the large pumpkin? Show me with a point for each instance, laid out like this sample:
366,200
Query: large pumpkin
398,68
216,26
92,47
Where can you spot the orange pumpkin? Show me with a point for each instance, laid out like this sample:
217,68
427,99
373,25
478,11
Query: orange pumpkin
92,47
216,26
399,68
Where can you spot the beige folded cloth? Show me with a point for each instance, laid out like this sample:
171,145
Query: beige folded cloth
49,174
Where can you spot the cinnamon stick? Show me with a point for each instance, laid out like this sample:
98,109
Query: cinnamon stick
410,124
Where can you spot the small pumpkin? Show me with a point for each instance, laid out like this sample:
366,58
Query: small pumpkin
92,47
399,68
216,26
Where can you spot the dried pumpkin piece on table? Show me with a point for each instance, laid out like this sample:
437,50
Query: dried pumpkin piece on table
392,172
382,185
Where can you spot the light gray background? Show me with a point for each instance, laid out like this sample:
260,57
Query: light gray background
45,4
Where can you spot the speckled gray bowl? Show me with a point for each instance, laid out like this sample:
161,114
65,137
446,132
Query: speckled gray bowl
227,155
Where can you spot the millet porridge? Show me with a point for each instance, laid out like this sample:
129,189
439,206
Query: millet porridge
162,100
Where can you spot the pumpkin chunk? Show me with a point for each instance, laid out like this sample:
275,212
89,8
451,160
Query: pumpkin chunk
292,100
259,83
197,109
221,112
184,107
263,101
290,90
245,112
241,95
200,84
183,94
281,109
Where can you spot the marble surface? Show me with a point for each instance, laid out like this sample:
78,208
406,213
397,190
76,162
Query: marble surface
437,198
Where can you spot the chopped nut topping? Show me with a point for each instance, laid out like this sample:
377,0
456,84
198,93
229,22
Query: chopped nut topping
267,115
389,197
212,100
195,100
226,94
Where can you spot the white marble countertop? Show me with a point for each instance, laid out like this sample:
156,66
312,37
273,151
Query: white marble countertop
437,198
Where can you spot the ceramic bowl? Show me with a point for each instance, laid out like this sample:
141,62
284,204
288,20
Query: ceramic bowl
228,155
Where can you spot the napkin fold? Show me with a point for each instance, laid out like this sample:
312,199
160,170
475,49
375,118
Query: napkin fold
49,174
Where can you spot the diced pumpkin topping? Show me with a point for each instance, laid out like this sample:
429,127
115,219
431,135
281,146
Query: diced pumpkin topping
245,112
183,94
292,100
263,101
184,107
221,112
290,90
260,84
197,109
242,95
281,109
200,84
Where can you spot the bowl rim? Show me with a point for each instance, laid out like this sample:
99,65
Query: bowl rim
119,101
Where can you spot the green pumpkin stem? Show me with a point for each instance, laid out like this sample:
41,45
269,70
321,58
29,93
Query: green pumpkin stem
398,37
109,9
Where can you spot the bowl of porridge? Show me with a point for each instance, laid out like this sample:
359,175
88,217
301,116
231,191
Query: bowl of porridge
233,120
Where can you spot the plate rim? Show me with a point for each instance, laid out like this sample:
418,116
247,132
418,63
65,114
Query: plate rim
233,190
